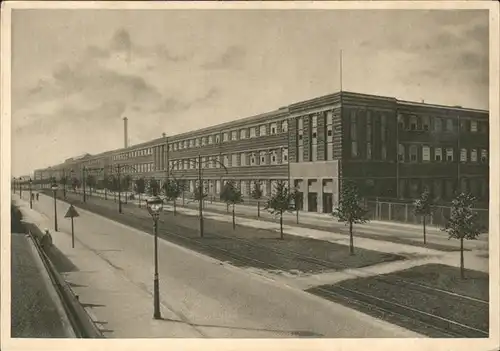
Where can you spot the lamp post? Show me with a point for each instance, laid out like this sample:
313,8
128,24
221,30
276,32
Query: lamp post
155,206
20,188
31,194
54,188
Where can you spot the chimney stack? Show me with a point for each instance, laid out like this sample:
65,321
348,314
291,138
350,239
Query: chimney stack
125,131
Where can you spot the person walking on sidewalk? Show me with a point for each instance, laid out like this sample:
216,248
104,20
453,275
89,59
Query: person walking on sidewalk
37,194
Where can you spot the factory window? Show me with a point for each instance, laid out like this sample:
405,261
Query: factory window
413,123
354,149
473,155
438,124
217,138
473,126
449,154
274,128
226,160
401,153
383,154
262,130
329,118
225,137
413,153
353,126
284,126
243,133
284,155
300,123
253,131
274,157
252,159
197,141
234,135
262,157
314,121
401,122
463,155
217,161
368,151
203,141
203,162
210,140
191,142
484,156
185,144
438,154
449,125
234,160
426,153
243,159
426,123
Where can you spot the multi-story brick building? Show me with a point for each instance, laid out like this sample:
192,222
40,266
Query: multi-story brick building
391,148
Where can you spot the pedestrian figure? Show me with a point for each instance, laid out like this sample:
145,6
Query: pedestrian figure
46,240
37,196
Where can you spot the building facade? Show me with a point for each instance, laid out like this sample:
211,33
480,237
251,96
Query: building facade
392,149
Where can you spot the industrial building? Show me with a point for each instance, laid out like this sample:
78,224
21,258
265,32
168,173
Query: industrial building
392,149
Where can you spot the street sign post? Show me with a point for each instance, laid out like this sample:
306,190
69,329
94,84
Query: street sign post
72,214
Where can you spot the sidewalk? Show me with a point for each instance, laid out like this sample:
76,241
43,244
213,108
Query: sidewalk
200,297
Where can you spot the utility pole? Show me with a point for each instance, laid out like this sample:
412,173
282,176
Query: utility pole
200,189
83,184
119,189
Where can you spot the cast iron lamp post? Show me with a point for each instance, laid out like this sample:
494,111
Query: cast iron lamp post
54,188
155,206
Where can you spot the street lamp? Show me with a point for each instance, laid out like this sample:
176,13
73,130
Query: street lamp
54,188
31,194
155,206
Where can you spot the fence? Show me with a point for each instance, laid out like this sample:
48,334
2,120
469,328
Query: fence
404,213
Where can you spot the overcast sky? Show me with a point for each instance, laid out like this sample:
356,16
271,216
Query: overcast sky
76,73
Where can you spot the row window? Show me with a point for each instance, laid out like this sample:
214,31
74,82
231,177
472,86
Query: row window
231,136
133,154
440,154
268,157
439,124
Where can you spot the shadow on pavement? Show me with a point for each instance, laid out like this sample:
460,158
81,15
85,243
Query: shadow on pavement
60,261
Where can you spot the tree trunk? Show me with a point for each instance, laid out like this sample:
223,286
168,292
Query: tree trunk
175,208
351,240
462,273
297,216
424,231
234,223
227,208
258,208
139,200
281,225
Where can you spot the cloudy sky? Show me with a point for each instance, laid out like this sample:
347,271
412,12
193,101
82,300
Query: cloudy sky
76,73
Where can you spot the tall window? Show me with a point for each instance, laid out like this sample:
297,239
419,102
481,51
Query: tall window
473,126
401,122
354,134
243,133
210,140
284,155
243,159
284,126
225,137
438,124
413,123
253,131
401,153
438,154
449,125
369,136
274,128
463,155
449,154
234,160
203,141
300,140
329,136
262,130
426,153
234,135
197,142
426,124
473,155
384,152
253,159
217,139
314,138
484,155
262,158
274,157
413,153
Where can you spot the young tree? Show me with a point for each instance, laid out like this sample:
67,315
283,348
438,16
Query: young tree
423,207
90,182
349,210
280,202
172,190
75,183
463,223
231,195
140,187
257,194
114,186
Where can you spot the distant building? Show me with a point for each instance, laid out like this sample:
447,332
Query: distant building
392,149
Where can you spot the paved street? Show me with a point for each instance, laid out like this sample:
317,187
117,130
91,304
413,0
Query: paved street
200,297
36,309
